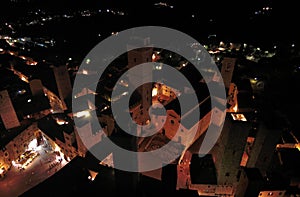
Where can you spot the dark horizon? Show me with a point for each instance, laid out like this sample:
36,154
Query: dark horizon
233,20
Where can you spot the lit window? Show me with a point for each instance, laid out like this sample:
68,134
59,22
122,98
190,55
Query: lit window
82,114
239,117
154,91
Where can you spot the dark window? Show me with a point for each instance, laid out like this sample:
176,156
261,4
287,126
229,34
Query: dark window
227,174
238,175
179,139
265,159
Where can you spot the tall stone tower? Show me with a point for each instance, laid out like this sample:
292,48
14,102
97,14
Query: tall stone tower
227,69
7,111
229,148
140,102
135,57
36,87
63,81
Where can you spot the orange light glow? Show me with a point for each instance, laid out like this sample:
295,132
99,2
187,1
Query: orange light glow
154,91
298,146
23,78
235,107
61,122
244,159
239,117
153,57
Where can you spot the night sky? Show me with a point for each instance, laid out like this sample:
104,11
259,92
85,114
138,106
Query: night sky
233,18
